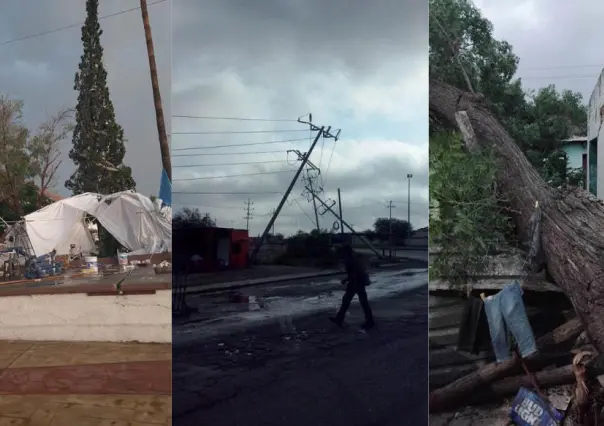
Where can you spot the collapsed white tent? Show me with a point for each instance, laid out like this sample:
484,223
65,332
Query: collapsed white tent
132,218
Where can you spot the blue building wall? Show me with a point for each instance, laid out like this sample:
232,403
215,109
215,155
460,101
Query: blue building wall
574,152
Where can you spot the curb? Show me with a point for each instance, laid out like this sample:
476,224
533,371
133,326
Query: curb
212,288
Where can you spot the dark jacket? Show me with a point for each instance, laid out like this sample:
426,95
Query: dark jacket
356,275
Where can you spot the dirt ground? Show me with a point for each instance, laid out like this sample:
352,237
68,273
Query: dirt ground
496,414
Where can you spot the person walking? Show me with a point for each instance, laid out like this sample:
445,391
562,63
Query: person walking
356,282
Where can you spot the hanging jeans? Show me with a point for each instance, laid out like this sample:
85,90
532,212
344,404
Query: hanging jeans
505,312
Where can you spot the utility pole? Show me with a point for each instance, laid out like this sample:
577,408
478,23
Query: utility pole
340,209
321,131
164,147
314,203
349,226
248,213
272,212
390,206
409,176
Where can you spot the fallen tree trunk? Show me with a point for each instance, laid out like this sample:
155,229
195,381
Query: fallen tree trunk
510,385
572,226
459,391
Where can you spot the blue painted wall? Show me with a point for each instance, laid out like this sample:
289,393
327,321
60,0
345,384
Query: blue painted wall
575,152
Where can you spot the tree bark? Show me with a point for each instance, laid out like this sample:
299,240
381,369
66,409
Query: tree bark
510,385
459,391
572,226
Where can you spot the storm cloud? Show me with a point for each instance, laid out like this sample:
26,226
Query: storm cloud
357,68
40,48
558,42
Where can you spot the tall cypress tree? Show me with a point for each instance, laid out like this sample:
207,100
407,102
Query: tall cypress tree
98,140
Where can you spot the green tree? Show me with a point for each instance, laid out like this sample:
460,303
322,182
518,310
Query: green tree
192,217
464,53
98,140
401,229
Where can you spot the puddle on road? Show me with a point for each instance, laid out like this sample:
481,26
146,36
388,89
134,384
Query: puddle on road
217,314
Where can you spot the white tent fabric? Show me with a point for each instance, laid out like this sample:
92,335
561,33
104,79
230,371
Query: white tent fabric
60,224
135,221
132,218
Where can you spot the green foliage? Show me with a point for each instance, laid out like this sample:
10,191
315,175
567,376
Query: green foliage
98,140
467,218
461,39
309,249
401,229
28,160
192,217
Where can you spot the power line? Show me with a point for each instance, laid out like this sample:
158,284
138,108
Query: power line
232,176
233,164
240,132
226,193
239,144
231,153
557,77
78,25
201,117
561,67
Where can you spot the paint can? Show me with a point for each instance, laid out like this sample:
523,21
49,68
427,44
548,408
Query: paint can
122,260
92,265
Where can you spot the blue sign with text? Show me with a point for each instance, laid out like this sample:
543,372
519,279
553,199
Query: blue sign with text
529,409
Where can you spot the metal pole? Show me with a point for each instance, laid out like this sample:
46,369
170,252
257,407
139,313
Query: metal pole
390,228
314,203
164,147
409,176
284,198
340,209
365,240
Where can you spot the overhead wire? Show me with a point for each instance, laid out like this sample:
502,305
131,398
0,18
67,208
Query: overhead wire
238,145
70,26
231,164
231,153
234,118
232,176
239,132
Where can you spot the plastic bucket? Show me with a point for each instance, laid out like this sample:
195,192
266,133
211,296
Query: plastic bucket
122,259
92,264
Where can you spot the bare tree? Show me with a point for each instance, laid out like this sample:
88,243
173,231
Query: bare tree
45,152
14,162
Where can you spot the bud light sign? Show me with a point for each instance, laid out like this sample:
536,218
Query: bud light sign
528,409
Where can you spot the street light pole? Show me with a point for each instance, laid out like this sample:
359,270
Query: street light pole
409,176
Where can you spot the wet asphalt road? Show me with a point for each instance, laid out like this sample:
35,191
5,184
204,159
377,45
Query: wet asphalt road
264,366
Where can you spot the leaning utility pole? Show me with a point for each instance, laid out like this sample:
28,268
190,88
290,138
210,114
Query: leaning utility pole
390,206
314,203
350,228
164,147
272,212
321,131
248,213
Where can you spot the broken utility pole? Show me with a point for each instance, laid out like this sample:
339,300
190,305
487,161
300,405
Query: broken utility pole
164,147
321,131
309,182
329,209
